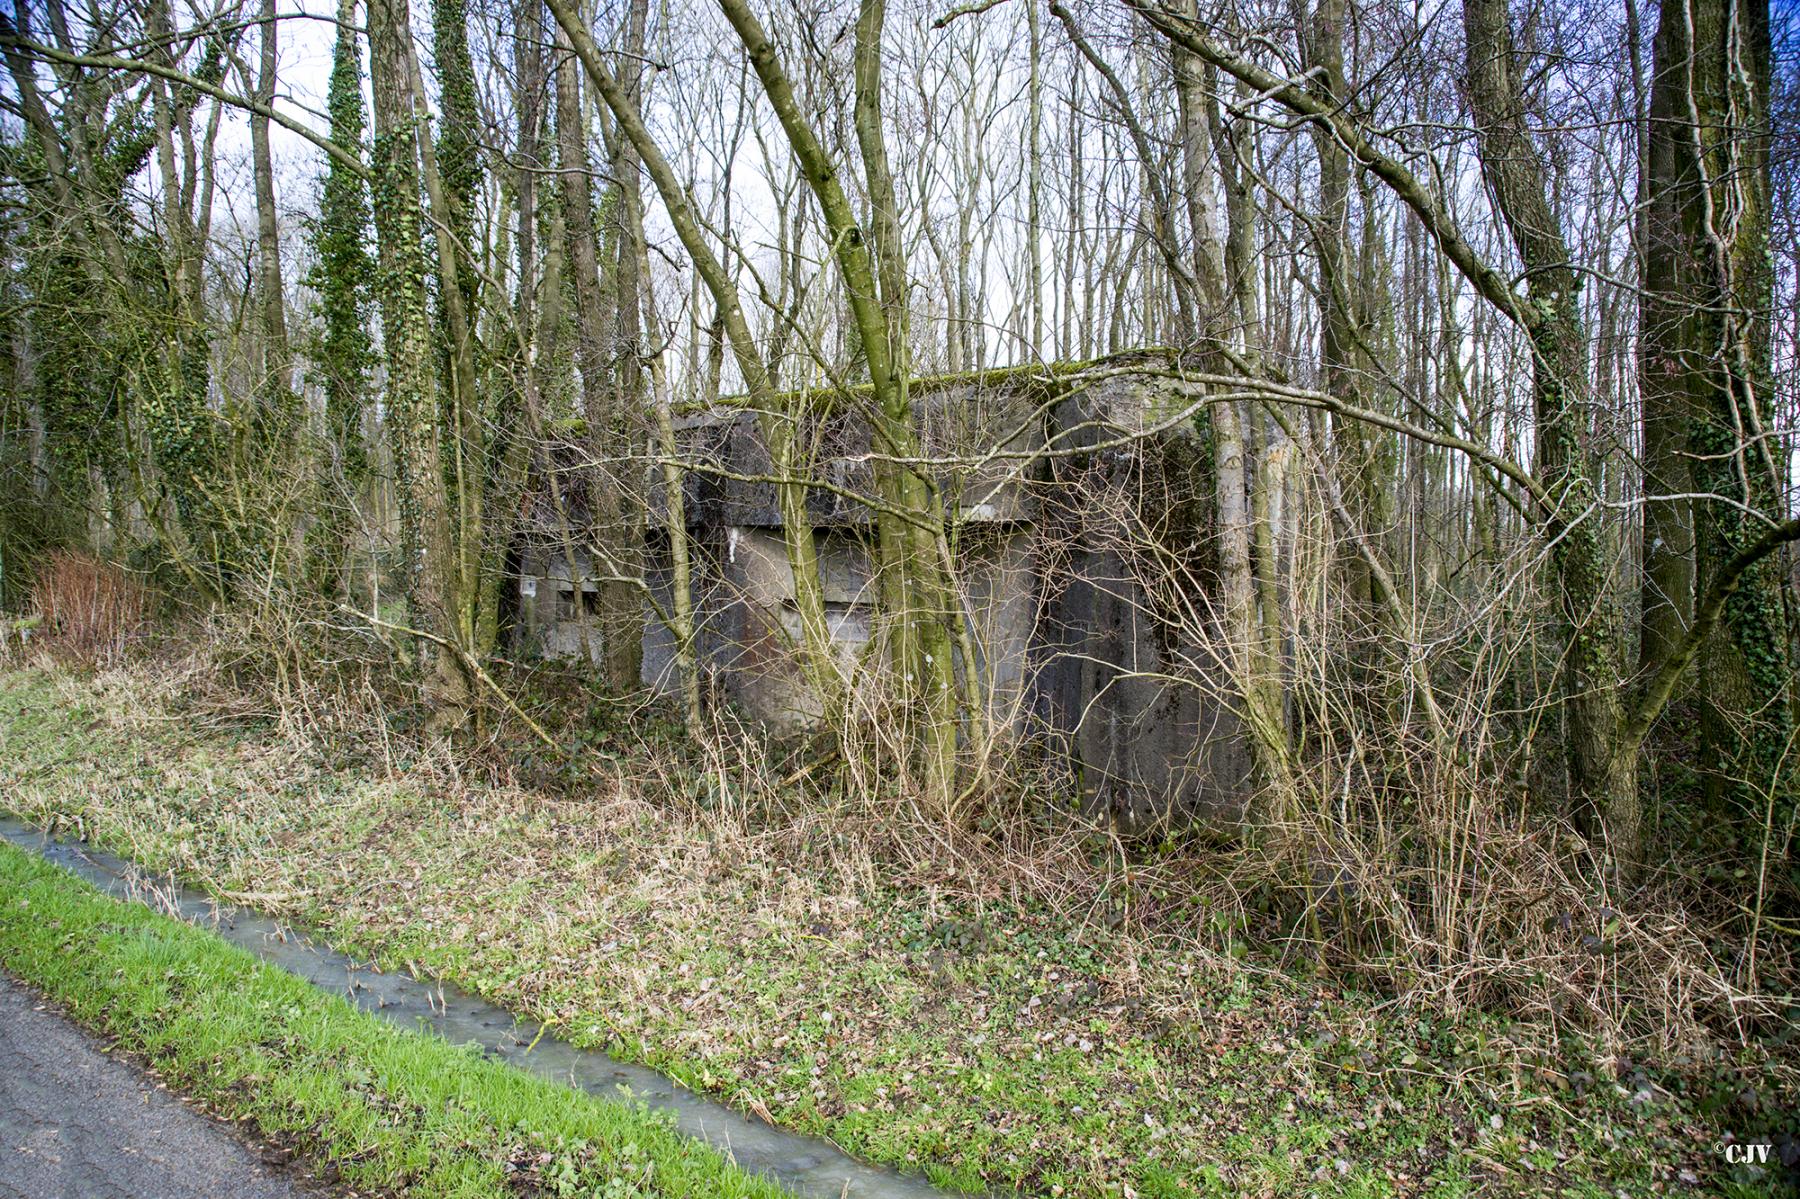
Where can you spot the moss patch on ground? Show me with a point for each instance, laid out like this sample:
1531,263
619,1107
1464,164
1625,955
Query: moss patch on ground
991,1044
393,1111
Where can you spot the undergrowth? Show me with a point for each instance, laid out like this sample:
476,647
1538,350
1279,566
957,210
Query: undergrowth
999,1007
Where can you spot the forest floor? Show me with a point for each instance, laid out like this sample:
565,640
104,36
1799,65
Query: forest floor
991,1040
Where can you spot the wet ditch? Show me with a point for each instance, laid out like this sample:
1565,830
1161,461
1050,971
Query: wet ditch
808,1165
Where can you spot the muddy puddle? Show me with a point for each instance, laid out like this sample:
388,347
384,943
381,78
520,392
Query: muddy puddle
806,1165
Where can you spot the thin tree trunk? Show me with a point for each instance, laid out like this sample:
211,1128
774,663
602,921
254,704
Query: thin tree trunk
621,604
272,302
1215,280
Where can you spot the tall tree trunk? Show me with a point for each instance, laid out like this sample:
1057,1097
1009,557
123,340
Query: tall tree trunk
1706,374
531,85
1340,295
173,401
1215,280
1602,775
1270,450
458,147
592,297
914,548
592,313
817,656
460,411
915,545
341,279
271,301
1666,388
428,541
1034,170
621,602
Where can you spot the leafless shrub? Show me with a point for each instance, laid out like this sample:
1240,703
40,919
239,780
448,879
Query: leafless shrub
88,609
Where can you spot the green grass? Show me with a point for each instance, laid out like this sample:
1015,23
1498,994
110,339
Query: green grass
389,1110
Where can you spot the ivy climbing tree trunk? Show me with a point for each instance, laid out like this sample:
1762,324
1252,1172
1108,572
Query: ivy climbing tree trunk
340,278
430,564
174,376
73,258
1706,375
458,145
450,171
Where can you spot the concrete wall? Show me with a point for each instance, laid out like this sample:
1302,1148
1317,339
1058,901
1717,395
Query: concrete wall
1142,711
750,630
555,605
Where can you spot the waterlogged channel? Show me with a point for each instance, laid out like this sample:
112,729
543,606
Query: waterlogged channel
806,1165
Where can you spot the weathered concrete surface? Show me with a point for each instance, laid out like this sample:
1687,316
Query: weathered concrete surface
77,1123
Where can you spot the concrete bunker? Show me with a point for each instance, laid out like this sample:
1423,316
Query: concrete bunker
1081,505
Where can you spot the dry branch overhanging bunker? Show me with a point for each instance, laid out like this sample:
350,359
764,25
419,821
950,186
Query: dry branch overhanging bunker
1080,518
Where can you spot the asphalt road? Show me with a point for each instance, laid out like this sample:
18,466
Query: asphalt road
76,1123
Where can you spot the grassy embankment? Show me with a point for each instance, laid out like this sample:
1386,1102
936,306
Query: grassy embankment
990,1041
383,1109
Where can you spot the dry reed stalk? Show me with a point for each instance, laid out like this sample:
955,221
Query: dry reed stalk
89,608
